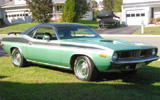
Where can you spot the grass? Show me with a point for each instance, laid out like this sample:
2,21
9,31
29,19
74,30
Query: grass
47,83
149,31
24,26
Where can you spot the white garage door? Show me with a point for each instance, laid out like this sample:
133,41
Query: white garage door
135,17
17,17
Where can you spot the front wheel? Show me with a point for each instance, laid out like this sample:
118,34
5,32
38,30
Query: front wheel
17,58
85,69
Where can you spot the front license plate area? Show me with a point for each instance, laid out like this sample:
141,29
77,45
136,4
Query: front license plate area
140,65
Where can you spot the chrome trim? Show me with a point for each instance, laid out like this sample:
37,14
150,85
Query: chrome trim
58,66
136,61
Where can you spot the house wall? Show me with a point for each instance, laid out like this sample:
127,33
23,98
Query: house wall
57,14
1,3
18,2
17,15
143,6
138,1
89,14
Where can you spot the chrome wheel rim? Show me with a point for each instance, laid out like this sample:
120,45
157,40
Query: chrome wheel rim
82,69
16,58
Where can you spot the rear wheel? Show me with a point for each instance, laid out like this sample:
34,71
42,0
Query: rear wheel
101,25
85,69
117,24
17,58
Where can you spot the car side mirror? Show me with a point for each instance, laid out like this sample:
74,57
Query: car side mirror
46,37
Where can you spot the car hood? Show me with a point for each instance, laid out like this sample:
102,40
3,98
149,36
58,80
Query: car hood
114,44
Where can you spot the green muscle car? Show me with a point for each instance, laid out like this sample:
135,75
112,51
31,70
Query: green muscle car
76,47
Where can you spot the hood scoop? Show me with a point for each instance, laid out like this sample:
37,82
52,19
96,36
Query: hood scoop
111,41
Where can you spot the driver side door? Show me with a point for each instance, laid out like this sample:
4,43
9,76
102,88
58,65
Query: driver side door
41,50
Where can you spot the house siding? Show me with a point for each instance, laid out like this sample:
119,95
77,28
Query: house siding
143,6
138,1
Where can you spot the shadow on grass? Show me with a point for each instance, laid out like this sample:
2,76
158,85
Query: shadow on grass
144,76
132,87
77,91
3,53
1,77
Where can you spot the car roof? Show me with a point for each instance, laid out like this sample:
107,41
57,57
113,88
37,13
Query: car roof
53,25
61,25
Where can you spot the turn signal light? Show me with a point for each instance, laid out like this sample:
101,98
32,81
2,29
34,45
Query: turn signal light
2,45
102,55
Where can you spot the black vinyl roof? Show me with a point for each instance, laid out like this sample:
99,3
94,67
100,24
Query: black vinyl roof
53,25
104,14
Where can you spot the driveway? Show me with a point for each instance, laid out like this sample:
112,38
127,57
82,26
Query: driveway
121,30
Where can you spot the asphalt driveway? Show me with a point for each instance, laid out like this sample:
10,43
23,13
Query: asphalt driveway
120,30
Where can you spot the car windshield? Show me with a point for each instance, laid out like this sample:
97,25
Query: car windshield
76,32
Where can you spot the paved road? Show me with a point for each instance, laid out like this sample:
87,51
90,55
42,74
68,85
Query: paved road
154,40
121,30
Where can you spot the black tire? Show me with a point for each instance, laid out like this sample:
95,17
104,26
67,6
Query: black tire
117,24
101,25
85,69
17,58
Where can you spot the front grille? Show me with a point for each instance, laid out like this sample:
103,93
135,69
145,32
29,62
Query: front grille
134,54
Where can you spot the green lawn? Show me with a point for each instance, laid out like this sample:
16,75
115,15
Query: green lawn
149,31
22,27
40,83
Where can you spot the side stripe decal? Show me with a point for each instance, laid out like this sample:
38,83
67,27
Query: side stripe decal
23,40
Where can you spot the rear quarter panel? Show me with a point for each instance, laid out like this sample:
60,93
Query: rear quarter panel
10,42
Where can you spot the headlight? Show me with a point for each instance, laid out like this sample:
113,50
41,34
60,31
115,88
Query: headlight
153,52
115,56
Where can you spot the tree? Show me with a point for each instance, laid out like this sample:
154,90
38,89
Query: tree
108,5
117,5
41,10
74,10
112,5
94,3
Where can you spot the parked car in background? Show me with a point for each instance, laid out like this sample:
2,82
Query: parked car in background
78,48
107,18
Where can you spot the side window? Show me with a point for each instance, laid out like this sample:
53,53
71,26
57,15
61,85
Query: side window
31,33
45,31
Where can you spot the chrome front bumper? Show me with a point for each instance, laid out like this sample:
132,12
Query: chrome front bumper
136,61
126,65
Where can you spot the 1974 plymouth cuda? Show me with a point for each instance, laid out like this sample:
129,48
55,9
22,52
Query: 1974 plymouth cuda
76,47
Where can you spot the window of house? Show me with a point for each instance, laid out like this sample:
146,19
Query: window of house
57,8
137,15
20,14
26,14
142,14
128,15
6,16
17,15
132,15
